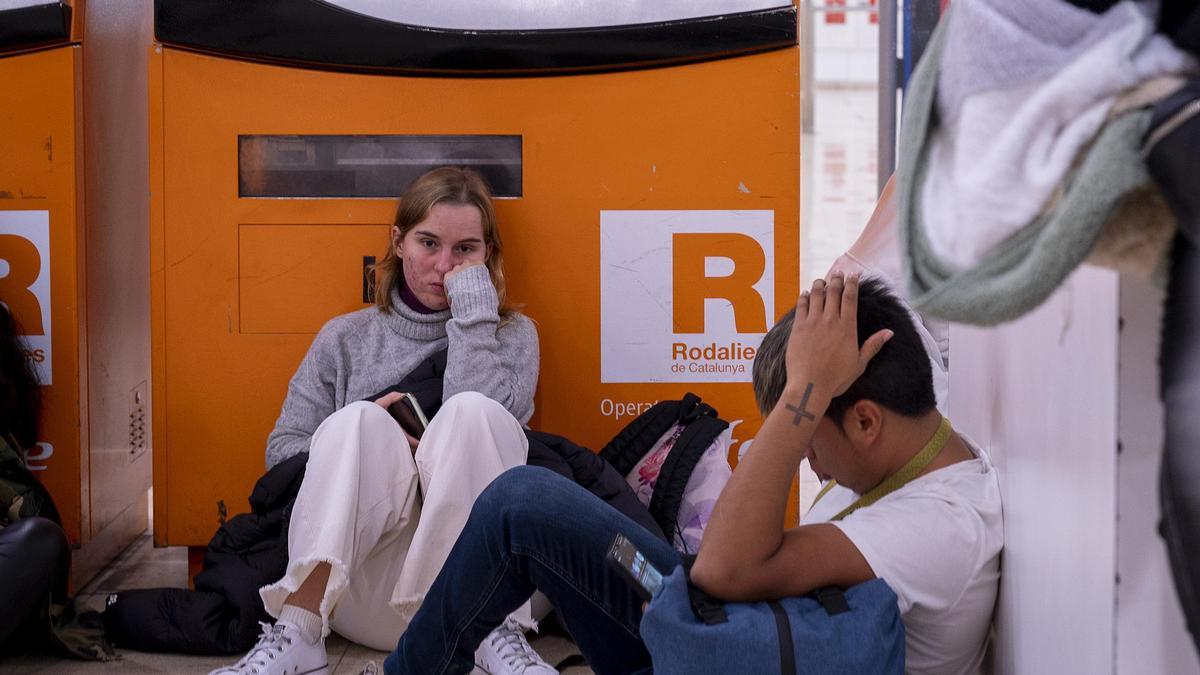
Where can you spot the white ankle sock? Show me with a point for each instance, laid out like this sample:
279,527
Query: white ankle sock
308,623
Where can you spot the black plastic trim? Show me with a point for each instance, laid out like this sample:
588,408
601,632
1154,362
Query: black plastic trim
313,33
34,26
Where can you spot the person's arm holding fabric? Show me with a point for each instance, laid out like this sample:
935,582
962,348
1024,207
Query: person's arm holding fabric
496,358
746,553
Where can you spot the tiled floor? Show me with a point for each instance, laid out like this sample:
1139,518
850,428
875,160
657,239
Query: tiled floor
143,566
838,187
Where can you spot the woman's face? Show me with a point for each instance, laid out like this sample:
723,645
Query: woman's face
451,235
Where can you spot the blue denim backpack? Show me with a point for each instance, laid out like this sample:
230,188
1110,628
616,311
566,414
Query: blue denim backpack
831,631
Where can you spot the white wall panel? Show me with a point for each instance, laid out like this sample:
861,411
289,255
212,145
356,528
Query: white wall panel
1040,394
1151,637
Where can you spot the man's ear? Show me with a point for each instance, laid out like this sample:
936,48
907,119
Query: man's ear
863,423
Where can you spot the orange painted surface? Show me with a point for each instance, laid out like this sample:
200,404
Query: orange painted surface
39,172
239,286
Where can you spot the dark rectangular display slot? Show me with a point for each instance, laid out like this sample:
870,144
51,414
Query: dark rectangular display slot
340,166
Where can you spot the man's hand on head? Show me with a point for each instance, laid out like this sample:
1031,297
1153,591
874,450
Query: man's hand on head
823,348
746,554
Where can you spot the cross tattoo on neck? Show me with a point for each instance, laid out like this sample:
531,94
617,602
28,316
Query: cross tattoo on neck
801,413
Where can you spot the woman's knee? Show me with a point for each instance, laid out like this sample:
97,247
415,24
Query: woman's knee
331,437
471,403
358,410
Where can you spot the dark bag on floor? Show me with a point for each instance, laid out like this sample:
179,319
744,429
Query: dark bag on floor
221,616
73,629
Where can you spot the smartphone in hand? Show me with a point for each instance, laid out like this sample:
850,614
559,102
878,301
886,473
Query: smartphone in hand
634,567
408,413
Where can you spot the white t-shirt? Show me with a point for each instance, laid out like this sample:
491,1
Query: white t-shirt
936,542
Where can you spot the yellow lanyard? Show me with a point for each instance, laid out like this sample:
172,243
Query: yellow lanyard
894,482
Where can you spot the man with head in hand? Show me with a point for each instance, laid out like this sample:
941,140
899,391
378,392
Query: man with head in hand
843,381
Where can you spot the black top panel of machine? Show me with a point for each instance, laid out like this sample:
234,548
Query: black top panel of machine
317,34
44,24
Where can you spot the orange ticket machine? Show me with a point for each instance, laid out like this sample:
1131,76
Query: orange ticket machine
41,232
68,263
645,161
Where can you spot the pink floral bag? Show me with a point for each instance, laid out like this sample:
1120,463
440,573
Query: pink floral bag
675,457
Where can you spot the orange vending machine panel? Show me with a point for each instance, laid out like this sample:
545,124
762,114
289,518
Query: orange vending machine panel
41,228
66,261
646,164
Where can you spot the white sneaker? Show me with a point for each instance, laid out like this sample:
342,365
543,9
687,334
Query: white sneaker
281,650
505,652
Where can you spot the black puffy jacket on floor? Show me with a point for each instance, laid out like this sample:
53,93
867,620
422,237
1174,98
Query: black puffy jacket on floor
221,616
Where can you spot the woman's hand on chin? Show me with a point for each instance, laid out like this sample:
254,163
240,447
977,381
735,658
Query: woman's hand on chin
460,267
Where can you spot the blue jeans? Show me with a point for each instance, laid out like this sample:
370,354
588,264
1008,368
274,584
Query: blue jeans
532,529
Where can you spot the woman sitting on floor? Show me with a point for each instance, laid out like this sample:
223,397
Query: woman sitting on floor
378,511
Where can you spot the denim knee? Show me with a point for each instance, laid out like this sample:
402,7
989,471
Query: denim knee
521,493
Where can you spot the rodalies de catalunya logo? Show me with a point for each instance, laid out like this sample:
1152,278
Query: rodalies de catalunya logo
685,296
25,282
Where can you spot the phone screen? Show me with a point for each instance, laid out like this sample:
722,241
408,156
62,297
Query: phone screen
634,566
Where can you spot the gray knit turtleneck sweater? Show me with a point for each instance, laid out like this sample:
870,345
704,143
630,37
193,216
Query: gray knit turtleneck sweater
361,353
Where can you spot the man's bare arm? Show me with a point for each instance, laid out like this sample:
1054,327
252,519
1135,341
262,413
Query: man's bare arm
746,554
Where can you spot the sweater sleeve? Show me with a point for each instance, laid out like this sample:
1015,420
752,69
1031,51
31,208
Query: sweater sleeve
500,362
311,397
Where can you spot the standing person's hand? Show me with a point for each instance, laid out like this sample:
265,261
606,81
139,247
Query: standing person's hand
823,346
385,402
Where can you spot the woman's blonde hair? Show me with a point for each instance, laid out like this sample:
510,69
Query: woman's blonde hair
445,185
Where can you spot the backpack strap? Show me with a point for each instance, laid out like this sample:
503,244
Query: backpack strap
676,470
632,443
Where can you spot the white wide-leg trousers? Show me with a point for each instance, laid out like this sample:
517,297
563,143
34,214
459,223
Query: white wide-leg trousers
386,521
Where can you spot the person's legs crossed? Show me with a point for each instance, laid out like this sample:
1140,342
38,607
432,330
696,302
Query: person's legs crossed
532,529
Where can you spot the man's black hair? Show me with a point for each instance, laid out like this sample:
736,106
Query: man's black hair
899,378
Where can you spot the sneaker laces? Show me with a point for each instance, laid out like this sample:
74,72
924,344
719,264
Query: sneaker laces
271,643
508,641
